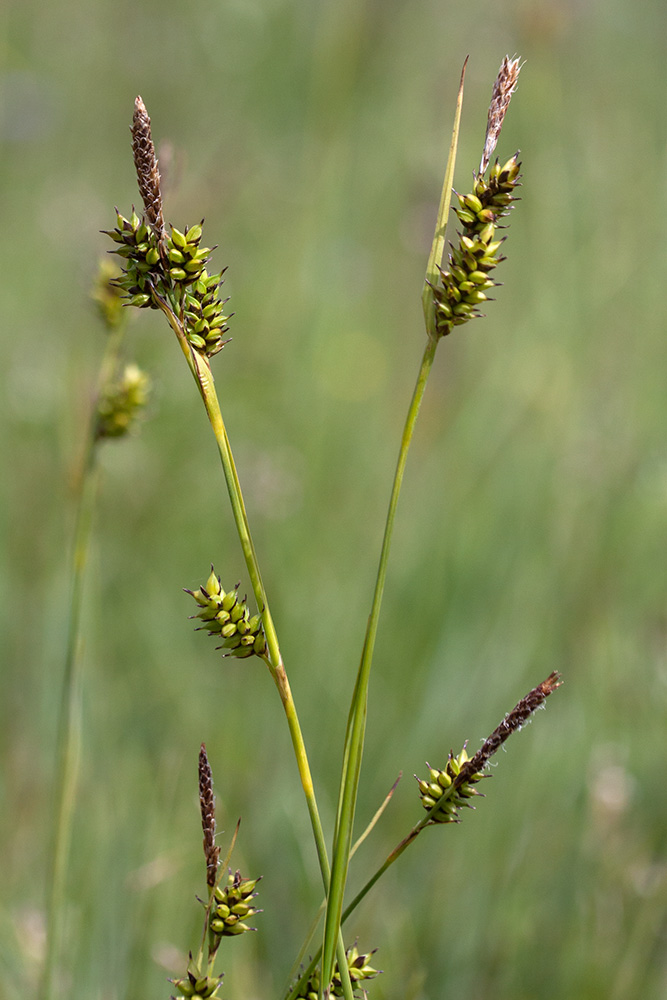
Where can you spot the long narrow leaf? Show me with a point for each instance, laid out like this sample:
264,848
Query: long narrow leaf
356,727
438,244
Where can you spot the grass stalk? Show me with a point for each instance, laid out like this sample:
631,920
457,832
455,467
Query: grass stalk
204,378
68,740
358,710
356,725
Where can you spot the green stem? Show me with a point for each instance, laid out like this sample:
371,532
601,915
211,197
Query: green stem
274,659
363,892
204,379
357,719
68,740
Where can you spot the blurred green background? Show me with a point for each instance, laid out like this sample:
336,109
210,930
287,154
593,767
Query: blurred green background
531,531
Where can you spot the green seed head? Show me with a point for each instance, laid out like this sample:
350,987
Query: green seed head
234,906
441,782
226,615
464,281
121,402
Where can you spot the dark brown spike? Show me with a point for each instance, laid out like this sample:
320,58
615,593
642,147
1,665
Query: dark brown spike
512,721
503,88
146,165
207,806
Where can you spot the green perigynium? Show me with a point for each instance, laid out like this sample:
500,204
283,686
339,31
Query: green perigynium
466,279
185,257
232,906
439,781
359,968
171,267
138,245
205,321
226,615
196,984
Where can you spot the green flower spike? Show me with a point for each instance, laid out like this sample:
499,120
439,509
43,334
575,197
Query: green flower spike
439,782
195,984
224,614
108,296
358,966
205,322
185,258
232,906
172,268
139,246
465,282
167,270
121,402
175,262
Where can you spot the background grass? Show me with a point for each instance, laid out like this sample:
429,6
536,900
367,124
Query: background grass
530,534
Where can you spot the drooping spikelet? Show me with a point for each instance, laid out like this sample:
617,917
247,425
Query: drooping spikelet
107,296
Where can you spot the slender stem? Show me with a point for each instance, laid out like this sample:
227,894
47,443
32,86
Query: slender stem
354,737
274,659
68,738
204,378
358,711
69,729
389,860
309,936
363,892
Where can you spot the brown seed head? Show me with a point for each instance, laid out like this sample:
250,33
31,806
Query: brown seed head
503,88
512,721
207,805
145,162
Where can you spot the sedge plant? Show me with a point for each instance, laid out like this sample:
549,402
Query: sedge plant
167,269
